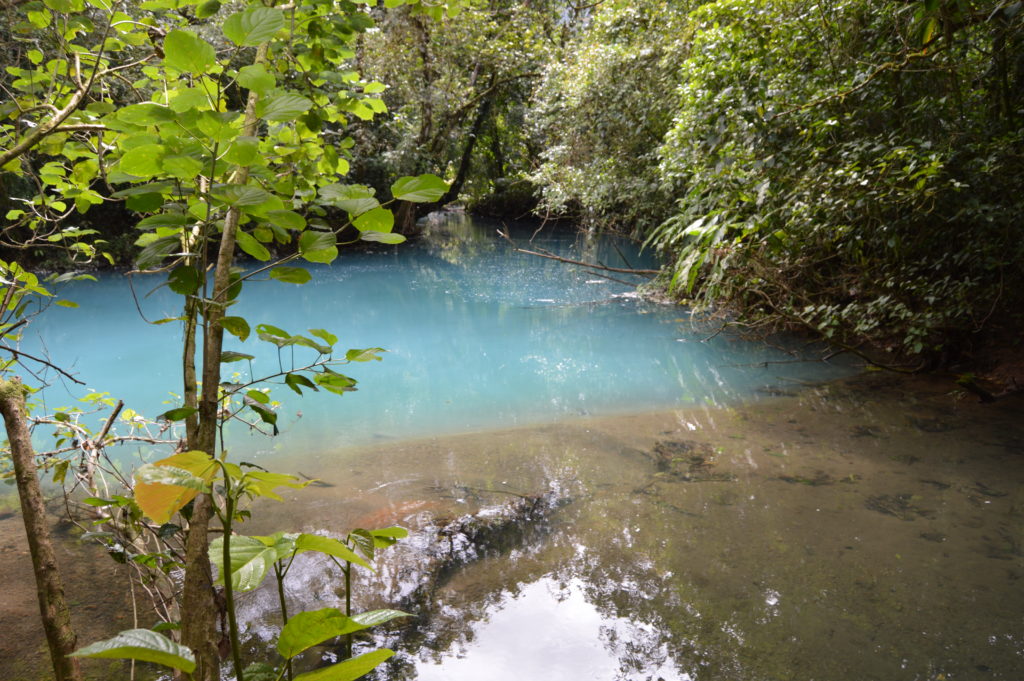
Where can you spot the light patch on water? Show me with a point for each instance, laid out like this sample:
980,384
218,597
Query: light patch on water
547,630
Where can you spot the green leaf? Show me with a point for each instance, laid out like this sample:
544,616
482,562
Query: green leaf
382,237
178,414
250,560
236,326
227,356
253,26
329,546
163,220
318,246
244,151
287,219
294,381
218,125
376,220
143,160
145,114
334,382
255,77
207,9
307,629
325,336
421,189
366,355
143,645
184,280
349,670
354,198
151,188
248,243
290,275
185,52
240,194
283,107
181,166
187,99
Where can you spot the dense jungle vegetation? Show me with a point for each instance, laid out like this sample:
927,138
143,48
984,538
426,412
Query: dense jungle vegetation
850,168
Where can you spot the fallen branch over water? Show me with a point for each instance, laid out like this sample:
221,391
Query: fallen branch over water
542,253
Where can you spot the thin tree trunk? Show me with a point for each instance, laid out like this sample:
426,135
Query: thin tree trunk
53,609
467,153
199,603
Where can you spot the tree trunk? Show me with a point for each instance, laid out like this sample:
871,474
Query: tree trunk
467,152
199,607
53,609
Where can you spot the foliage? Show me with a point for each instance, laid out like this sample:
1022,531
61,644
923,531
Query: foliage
458,93
234,141
847,167
602,111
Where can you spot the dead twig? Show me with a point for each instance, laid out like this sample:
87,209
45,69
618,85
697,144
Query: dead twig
579,263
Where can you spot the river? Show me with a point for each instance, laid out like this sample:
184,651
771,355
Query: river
722,511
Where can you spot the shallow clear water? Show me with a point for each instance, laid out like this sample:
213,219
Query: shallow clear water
478,336
719,518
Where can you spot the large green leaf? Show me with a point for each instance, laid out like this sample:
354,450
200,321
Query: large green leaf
145,114
310,628
244,151
240,194
349,670
143,645
376,220
253,26
287,219
186,52
248,243
283,107
184,280
144,160
421,189
250,561
181,166
255,77
236,326
218,125
329,546
318,246
290,275
354,198
382,237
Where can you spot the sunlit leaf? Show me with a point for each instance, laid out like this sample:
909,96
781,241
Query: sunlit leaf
253,26
184,51
318,246
283,107
290,275
143,645
349,670
329,546
307,629
424,188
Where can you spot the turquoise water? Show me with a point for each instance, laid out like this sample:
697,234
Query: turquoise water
478,337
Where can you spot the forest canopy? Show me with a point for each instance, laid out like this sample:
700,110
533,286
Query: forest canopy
847,167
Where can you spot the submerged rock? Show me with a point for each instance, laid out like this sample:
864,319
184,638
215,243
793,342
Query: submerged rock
687,461
897,505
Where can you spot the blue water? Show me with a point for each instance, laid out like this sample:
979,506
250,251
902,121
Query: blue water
478,337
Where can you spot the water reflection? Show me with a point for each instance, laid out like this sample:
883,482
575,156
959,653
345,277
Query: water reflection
851,539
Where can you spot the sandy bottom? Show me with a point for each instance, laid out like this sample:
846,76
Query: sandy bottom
871,528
